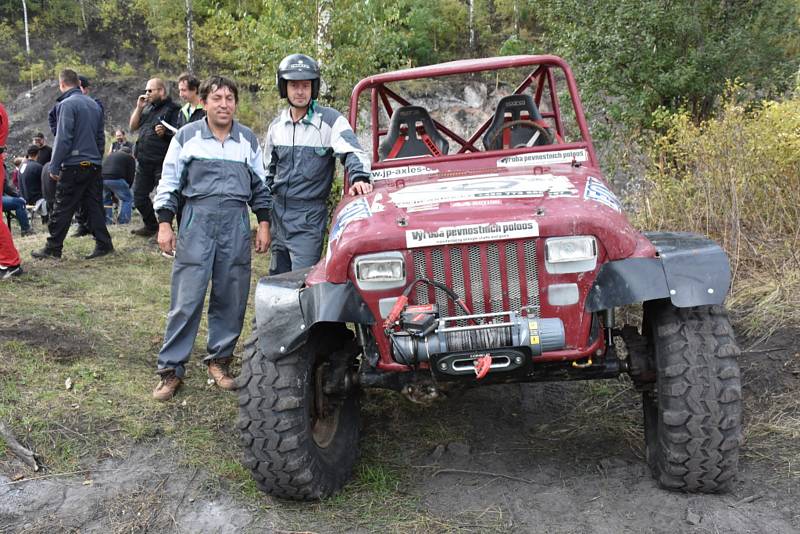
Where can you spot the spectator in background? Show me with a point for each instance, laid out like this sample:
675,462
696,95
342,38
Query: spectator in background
81,216
77,157
45,150
120,140
15,173
192,110
153,110
30,176
118,170
12,201
84,86
10,264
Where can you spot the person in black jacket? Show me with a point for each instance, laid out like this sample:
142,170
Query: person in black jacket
77,158
30,176
118,170
45,150
156,117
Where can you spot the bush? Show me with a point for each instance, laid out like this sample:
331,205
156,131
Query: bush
735,178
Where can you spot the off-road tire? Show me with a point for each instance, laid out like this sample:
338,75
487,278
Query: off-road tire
276,401
693,417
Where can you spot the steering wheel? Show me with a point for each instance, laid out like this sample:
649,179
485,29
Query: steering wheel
545,137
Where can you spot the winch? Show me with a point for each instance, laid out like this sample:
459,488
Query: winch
418,333
427,334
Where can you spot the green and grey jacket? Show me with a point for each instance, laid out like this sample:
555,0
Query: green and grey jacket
301,156
198,165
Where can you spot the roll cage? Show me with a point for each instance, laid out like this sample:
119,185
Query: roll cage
541,79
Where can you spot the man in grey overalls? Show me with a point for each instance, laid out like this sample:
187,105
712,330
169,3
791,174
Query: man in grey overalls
216,164
301,150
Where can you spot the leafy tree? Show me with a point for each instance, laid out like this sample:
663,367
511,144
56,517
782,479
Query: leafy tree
638,56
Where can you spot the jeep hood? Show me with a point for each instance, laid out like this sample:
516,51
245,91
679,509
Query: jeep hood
499,204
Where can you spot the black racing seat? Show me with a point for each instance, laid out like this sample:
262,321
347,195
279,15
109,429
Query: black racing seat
511,126
412,133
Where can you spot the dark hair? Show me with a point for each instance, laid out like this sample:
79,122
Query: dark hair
84,81
69,78
191,82
39,135
214,83
33,151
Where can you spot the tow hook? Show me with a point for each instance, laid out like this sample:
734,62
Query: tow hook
482,366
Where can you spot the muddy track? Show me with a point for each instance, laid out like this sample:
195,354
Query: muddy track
520,461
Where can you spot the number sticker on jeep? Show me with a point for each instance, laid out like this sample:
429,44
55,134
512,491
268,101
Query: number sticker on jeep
471,232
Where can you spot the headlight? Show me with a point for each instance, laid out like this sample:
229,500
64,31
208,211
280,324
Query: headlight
385,270
570,254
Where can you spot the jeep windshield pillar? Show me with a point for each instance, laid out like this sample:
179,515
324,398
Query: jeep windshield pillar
491,251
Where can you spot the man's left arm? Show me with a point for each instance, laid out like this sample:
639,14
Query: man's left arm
260,195
345,144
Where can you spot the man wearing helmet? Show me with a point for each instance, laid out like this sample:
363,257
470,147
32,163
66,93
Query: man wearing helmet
301,148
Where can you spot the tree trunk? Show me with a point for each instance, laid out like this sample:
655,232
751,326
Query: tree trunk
189,38
471,8
324,45
83,15
27,41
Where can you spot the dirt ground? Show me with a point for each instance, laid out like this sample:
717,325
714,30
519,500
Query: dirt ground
504,464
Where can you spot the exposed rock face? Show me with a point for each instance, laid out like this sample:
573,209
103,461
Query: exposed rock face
28,111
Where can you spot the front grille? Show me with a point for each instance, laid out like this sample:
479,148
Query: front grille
491,277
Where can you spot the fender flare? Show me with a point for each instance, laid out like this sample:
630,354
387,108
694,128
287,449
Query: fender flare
689,269
287,309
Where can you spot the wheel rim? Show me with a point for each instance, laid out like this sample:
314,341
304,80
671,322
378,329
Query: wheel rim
324,414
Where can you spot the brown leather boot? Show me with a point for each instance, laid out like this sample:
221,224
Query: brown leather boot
218,370
166,388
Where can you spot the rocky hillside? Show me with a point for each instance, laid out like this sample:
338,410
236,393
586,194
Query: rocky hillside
28,111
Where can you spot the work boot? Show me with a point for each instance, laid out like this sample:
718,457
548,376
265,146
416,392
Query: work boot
46,253
97,252
218,370
144,231
166,388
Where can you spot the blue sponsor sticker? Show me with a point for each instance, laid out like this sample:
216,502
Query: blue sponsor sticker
355,211
596,190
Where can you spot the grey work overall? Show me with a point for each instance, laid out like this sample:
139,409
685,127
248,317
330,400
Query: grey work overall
213,244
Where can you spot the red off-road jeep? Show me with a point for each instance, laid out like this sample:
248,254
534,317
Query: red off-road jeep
492,256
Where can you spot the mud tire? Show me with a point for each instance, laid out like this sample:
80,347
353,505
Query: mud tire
276,423
693,418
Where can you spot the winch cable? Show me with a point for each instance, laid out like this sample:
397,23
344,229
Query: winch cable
402,300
